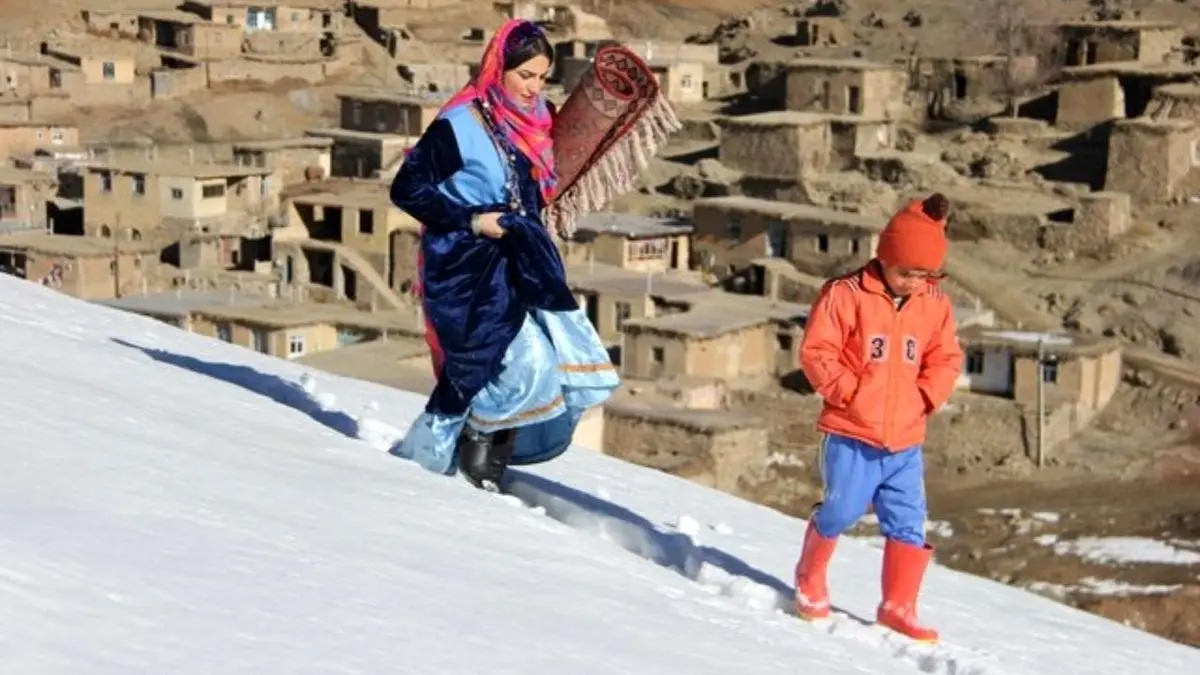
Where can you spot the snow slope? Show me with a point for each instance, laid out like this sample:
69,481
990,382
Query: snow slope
170,503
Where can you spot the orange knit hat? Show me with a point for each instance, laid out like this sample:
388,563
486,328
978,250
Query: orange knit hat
915,238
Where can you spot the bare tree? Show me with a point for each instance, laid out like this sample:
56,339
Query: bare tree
1026,40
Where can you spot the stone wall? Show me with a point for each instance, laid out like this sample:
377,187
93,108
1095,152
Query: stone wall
717,458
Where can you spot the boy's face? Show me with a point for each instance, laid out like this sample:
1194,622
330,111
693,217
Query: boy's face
905,281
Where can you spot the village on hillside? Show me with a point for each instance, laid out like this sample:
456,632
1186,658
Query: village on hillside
223,166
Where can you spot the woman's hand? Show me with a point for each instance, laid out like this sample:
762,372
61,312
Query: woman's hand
488,225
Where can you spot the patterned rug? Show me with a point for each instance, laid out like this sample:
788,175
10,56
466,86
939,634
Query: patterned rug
605,134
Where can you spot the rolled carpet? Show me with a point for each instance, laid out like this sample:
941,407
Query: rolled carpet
614,121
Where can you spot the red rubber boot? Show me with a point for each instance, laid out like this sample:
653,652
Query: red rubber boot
812,592
904,568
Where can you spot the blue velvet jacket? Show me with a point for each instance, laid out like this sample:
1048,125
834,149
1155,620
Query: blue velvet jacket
477,291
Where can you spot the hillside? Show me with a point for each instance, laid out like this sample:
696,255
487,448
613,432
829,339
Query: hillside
169,503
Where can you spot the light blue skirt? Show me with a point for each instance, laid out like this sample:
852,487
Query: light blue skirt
554,370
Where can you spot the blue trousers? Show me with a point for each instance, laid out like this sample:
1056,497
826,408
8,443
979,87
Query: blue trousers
857,475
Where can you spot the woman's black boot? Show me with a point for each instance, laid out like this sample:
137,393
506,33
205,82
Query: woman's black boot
483,457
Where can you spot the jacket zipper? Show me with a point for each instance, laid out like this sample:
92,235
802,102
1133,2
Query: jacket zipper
889,408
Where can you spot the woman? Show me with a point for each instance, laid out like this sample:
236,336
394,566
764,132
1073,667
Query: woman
517,361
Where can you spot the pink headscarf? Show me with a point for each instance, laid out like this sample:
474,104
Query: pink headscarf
526,128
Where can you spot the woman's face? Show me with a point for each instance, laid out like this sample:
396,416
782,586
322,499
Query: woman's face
525,82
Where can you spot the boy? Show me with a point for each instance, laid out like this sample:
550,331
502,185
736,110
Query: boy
881,349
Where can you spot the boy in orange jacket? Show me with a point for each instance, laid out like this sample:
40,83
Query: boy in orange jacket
881,349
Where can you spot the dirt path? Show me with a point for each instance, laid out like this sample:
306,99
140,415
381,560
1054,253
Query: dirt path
1054,537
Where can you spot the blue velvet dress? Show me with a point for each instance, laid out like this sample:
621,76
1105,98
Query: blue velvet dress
519,353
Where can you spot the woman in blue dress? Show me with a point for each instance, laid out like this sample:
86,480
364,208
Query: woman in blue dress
516,359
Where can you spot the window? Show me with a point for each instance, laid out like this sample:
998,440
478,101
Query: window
213,191
109,70
785,341
734,228
224,332
366,221
686,82
622,314
56,136
822,243
8,201
650,249
1050,370
106,181
777,241
854,247
295,345
355,112
658,355
139,184
258,340
853,100
974,362
176,194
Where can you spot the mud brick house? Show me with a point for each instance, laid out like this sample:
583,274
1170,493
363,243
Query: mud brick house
848,87
612,296
1077,368
1154,161
720,336
19,139
821,31
632,242
28,75
340,239
388,112
731,232
291,330
190,34
1092,95
681,81
145,196
785,145
87,268
313,16
1085,43
293,160
712,448
274,326
1080,374
24,195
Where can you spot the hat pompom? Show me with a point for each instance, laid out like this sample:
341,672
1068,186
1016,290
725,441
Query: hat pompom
936,206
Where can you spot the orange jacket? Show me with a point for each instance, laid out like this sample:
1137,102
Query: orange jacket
880,370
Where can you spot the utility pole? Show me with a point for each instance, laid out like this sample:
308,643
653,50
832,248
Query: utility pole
1041,402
